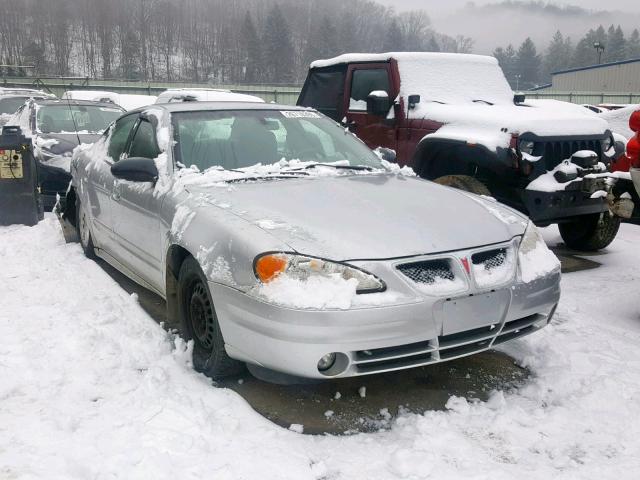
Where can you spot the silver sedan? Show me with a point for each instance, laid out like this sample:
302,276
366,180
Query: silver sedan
279,240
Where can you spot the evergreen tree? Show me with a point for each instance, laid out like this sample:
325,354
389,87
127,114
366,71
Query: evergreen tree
393,41
585,54
278,47
253,51
328,38
633,45
558,57
616,44
507,60
528,64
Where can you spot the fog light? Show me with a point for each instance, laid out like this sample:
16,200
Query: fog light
326,362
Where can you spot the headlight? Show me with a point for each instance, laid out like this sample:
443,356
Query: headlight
269,266
526,146
535,260
607,143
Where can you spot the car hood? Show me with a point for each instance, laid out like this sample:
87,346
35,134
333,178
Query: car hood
356,217
544,118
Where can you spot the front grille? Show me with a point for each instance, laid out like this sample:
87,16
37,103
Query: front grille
490,259
428,272
556,152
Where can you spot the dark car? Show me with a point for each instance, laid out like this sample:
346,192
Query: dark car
12,99
56,128
454,119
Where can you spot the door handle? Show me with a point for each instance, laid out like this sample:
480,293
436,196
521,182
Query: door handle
115,193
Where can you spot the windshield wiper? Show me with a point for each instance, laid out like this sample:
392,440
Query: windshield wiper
339,167
276,176
482,101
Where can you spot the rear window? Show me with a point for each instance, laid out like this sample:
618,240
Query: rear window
11,104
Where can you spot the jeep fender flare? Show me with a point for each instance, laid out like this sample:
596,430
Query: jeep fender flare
436,157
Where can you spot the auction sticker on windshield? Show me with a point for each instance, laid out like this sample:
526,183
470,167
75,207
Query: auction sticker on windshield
300,114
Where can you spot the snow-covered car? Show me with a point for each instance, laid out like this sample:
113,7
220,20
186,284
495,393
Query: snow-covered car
56,127
204,95
12,99
455,120
280,240
125,100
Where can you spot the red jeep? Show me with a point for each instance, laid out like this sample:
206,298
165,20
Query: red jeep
454,119
633,150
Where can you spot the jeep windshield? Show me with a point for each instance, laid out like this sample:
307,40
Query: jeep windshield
454,79
237,140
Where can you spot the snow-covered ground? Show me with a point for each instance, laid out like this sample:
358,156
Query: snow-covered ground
92,388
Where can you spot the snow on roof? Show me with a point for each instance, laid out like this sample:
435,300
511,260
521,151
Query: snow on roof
205,95
125,100
404,56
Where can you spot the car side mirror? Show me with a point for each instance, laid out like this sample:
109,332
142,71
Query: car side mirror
378,103
386,154
135,169
412,101
519,98
634,121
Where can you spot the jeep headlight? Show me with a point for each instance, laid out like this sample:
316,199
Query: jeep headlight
269,266
526,146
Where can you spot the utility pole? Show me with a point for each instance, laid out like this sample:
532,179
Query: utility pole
599,48
517,77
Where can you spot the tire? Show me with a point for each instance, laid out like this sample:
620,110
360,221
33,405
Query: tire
84,231
589,233
464,182
199,322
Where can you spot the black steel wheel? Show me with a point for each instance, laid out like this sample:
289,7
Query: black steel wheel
199,323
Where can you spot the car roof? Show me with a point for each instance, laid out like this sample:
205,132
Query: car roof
45,102
218,106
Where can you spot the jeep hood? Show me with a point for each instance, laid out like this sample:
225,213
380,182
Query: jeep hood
375,216
493,125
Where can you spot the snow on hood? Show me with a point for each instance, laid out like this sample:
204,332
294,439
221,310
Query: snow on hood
619,120
493,125
370,216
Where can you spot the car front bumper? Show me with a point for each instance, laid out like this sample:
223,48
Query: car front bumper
384,338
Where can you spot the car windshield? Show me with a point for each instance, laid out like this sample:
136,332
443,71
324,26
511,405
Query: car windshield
240,139
86,118
9,105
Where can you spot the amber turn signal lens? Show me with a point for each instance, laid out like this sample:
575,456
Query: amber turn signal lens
269,267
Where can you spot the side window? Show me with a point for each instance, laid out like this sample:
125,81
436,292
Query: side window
144,141
363,82
120,135
323,91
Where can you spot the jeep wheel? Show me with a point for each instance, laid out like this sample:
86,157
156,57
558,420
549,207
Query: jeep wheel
464,182
590,232
199,322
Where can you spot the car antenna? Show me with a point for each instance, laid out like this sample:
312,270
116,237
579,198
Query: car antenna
73,119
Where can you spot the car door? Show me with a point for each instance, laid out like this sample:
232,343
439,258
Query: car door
375,131
101,184
136,213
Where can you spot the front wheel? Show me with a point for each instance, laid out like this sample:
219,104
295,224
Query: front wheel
199,323
589,233
464,182
84,232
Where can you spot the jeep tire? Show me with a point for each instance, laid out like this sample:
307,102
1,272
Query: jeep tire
589,233
464,182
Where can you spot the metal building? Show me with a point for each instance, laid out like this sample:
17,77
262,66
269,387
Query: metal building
617,77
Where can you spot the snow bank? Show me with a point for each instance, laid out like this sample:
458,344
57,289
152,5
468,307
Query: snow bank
93,388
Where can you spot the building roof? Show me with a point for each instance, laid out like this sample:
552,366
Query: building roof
592,67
